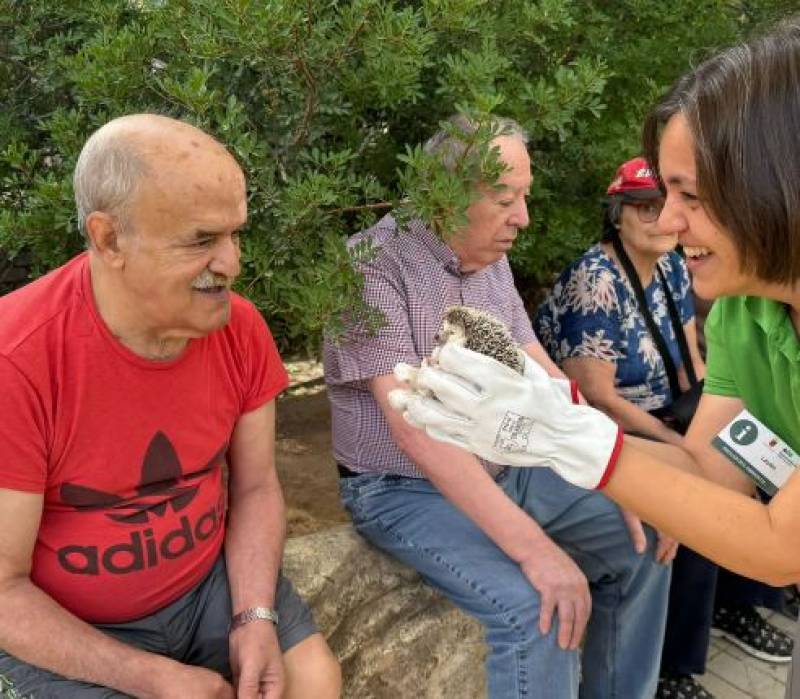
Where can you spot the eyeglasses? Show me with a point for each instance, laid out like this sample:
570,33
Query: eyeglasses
648,211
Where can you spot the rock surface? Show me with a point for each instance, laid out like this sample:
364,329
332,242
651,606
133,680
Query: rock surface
395,637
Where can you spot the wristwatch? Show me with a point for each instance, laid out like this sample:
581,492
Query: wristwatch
253,613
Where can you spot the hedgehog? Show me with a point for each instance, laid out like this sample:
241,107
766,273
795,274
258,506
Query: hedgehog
480,332
471,328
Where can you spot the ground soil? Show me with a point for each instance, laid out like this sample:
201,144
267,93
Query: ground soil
305,464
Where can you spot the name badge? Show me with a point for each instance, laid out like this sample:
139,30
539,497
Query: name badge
758,451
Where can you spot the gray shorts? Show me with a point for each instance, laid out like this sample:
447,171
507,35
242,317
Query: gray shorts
192,630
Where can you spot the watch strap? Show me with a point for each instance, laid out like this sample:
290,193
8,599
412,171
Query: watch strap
253,614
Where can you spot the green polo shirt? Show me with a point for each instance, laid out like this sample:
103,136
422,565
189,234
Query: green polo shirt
754,355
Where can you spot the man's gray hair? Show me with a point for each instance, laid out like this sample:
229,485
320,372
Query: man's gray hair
106,176
450,148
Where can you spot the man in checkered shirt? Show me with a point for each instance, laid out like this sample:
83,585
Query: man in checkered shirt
534,559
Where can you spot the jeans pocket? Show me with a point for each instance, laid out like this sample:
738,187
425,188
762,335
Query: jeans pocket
358,494
351,490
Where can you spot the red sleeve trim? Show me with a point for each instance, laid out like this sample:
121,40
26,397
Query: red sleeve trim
574,392
34,487
265,397
612,461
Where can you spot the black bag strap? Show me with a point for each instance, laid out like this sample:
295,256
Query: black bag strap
677,327
655,333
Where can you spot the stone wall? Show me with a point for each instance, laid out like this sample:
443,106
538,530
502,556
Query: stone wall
395,637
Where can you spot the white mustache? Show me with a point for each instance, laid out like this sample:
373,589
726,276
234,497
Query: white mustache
208,279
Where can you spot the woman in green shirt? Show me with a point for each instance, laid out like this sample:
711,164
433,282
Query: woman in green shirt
726,143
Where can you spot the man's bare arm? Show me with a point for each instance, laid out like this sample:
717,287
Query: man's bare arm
463,481
256,512
37,630
253,550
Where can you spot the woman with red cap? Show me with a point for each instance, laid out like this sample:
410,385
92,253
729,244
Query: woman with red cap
618,317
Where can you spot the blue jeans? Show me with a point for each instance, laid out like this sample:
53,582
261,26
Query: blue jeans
410,520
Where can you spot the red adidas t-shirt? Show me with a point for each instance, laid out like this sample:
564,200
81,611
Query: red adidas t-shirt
127,452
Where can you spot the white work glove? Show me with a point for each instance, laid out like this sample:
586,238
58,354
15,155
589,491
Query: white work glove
489,409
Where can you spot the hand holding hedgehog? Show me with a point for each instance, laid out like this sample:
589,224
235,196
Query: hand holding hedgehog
519,417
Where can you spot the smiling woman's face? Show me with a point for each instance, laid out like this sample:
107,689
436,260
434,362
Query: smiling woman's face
711,255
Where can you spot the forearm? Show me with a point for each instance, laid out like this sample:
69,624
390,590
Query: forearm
538,353
728,527
669,454
464,482
633,419
52,638
699,367
254,545
698,457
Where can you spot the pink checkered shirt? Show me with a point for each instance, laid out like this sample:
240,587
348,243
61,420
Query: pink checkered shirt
413,278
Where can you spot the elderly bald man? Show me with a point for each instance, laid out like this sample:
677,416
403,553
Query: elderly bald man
132,378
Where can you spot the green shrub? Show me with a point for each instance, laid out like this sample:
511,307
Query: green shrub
318,99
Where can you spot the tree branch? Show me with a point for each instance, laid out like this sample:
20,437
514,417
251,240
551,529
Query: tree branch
362,207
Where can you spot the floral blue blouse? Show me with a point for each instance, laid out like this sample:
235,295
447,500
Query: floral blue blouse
592,312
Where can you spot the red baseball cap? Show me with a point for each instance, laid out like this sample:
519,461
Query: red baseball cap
635,179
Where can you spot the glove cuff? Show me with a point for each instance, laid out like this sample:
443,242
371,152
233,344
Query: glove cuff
612,460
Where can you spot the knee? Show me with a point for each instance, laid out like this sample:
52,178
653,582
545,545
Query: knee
619,537
312,670
643,572
633,564
514,619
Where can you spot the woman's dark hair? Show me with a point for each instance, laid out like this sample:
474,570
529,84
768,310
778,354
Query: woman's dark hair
742,108
612,212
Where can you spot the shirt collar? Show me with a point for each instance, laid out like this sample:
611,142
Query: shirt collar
442,252
774,319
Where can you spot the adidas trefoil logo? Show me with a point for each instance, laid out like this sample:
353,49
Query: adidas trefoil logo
159,487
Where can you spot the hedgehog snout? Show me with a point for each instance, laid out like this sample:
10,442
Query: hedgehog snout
449,333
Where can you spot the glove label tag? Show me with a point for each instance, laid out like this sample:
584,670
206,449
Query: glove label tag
758,451
513,433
